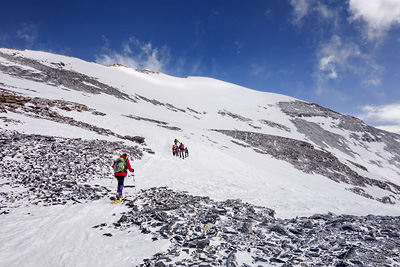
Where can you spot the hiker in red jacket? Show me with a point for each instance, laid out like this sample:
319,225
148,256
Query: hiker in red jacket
121,166
181,151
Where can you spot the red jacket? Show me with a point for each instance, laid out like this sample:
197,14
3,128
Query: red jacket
128,164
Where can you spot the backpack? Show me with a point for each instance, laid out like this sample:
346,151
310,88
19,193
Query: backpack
120,164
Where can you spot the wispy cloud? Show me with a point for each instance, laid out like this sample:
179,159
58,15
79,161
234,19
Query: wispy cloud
325,12
334,58
136,54
259,71
318,9
196,66
215,12
238,47
339,55
379,15
300,9
388,116
29,33
268,13
337,59
4,37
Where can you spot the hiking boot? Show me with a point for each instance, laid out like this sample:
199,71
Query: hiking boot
118,196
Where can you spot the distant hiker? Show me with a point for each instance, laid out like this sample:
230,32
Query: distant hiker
177,151
181,150
121,166
176,141
173,150
186,152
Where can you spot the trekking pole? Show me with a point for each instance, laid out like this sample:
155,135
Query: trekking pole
134,182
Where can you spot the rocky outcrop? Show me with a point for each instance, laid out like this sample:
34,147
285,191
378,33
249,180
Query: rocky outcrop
162,124
275,125
56,74
12,102
158,103
309,159
203,232
234,116
46,109
360,133
45,170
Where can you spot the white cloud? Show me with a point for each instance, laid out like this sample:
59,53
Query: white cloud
328,64
337,59
380,15
324,11
373,81
300,9
386,113
136,54
343,55
334,57
388,116
390,128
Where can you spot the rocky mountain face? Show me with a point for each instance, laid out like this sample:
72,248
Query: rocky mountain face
360,133
305,157
316,154
44,170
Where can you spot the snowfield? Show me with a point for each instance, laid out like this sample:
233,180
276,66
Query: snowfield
161,108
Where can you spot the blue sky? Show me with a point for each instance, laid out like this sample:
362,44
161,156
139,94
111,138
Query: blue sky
343,55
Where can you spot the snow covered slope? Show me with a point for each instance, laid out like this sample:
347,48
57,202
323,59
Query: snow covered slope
267,149
64,120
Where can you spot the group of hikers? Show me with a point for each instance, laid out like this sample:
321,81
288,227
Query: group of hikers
122,165
179,149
